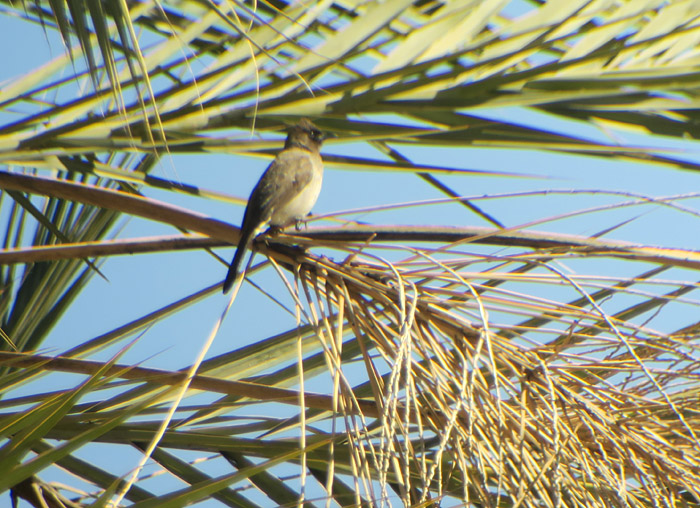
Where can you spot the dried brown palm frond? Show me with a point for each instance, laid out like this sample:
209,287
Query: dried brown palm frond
493,395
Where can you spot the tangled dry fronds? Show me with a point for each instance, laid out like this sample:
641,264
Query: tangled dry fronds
493,395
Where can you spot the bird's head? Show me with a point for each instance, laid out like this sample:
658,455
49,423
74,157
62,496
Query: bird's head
305,135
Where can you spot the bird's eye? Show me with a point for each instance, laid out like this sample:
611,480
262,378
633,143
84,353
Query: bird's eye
315,133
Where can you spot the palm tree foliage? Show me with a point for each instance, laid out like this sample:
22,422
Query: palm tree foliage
428,363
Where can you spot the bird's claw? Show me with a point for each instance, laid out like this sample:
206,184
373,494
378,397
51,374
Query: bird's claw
274,230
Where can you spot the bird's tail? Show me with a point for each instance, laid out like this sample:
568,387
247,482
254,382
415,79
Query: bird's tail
234,271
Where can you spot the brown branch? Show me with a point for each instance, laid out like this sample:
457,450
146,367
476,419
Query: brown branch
107,248
221,233
171,378
147,208
568,244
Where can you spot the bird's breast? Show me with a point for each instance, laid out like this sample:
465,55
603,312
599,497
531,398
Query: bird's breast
299,206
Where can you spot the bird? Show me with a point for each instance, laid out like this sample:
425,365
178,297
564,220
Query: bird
285,193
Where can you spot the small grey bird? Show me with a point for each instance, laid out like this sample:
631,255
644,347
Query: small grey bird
285,193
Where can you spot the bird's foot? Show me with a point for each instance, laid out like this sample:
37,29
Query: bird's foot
301,223
274,230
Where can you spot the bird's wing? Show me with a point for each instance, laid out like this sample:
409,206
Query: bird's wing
284,179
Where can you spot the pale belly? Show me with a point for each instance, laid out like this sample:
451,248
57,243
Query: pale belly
300,206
